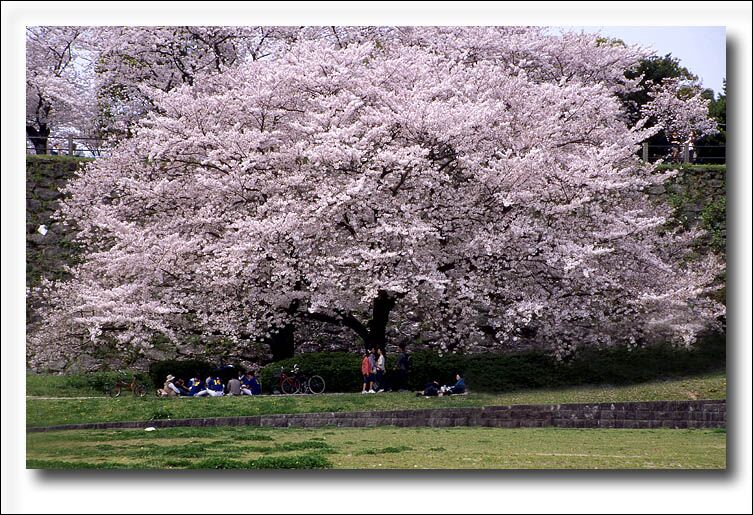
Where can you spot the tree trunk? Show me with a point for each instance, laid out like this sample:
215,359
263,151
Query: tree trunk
373,334
282,343
377,326
38,138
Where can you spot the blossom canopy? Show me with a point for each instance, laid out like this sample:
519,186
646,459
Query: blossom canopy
466,186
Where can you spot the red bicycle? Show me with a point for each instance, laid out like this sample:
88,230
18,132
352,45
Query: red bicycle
300,383
122,384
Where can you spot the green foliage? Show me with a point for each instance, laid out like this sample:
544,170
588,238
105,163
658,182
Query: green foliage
217,463
654,70
716,143
714,221
75,385
184,369
505,372
698,197
306,461
45,175
33,159
45,412
70,465
161,413
341,371
397,448
693,167
386,450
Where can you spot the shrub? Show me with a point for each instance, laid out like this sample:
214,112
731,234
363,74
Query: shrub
493,372
90,383
184,369
217,463
341,371
307,461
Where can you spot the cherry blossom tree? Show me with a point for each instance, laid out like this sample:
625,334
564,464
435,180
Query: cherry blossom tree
680,109
466,186
58,90
136,64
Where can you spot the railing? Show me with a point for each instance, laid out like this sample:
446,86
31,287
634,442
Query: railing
68,146
685,153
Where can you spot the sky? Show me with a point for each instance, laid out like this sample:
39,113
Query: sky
702,50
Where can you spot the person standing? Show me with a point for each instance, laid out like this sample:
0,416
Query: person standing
690,143
675,143
366,373
403,368
381,368
373,368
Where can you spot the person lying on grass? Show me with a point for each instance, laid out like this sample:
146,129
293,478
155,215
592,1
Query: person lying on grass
430,390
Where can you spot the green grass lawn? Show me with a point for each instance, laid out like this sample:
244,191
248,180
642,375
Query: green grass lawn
379,448
73,385
45,412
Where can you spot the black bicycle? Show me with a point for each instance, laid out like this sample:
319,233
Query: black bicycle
298,382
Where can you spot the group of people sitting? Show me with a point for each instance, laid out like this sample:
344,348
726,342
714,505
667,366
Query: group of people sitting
433,389
246,384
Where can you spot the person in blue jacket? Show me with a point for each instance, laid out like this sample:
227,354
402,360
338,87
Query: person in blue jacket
458,387
196,388
215,388
250,384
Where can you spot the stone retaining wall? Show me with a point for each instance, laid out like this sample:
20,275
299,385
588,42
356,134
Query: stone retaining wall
702,414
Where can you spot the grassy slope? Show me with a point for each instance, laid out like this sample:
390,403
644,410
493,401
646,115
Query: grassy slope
380,448
40,412
73,385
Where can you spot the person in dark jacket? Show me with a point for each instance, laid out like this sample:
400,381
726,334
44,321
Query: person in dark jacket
403,368
431,390
250,384
457,388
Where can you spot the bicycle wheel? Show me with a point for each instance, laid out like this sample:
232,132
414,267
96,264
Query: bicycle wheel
115,390
290,386
316,384
139,390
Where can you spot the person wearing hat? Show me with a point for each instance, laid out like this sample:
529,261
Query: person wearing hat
169,389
